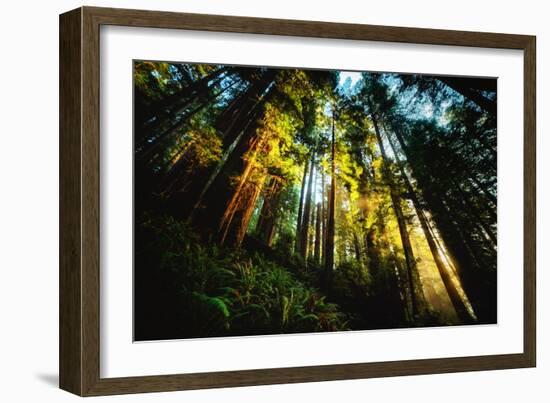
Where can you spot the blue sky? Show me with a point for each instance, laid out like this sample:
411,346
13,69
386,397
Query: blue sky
354,76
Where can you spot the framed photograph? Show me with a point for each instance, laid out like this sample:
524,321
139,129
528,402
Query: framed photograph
249,201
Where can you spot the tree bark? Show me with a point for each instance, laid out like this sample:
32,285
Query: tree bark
247,108
416,293
324,209
265,228
234,222
148,148
313,215
218,197
231,164
317,247
481,292
329,248
456,300
307,212
167,107
242,217
301,208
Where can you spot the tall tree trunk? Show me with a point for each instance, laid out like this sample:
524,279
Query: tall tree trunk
239,201
481,292
169,105
311,231
242,216
249,105
324,209
265,228
317,247
301,208
329,246
457,301
219,195
416,293
231,164
313,215
149,150
307,211
238,211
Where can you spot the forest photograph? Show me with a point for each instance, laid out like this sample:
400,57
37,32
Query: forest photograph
275,200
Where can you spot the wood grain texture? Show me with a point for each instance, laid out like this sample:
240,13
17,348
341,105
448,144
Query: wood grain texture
80,187
530,202
90,201
70,312
315,29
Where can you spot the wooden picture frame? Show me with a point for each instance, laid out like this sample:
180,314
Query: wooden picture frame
80,215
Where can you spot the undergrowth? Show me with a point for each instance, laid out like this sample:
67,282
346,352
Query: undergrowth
186,288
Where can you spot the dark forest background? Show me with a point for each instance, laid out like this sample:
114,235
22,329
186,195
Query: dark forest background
288,200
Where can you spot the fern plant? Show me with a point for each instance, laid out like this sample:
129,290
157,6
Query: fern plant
221,292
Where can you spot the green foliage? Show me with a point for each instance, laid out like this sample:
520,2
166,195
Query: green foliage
353,274
199,145
153,79
229,292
